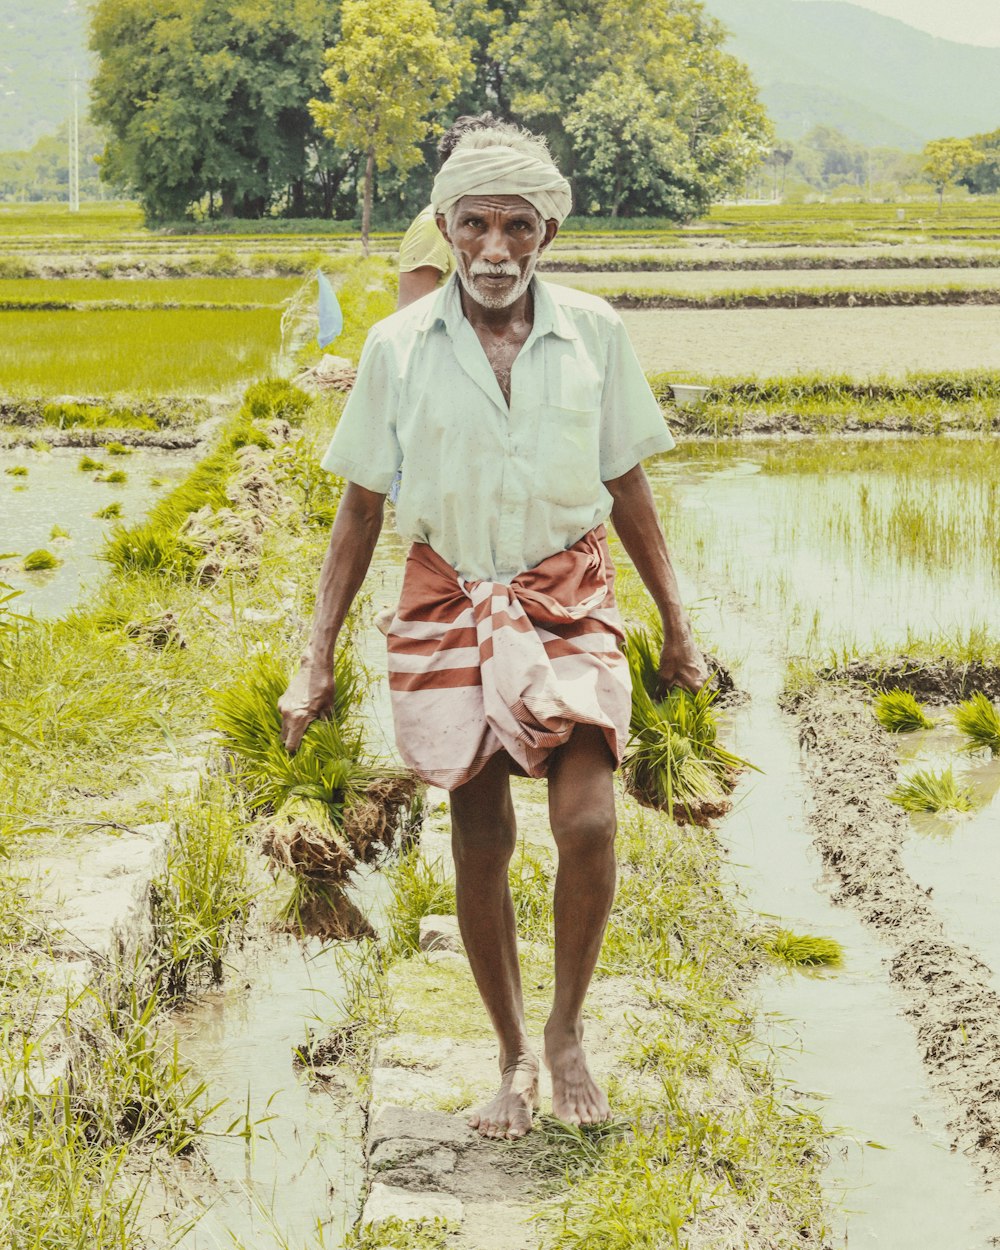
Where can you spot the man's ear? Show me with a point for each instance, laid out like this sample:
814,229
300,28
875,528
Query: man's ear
551,230
442,225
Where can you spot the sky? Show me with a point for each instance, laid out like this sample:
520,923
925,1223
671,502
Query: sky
964,21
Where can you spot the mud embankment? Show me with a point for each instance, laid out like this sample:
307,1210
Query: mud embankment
932,681
949,297
886,260
946,990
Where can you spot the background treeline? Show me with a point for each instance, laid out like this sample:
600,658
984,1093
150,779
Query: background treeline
207,105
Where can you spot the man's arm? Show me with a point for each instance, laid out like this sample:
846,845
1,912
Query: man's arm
416,283
355,532
637,523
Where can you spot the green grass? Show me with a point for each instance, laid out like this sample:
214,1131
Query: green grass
87,464
898,711
135,352
17,470
979,721
927,791
140,292
93,221
110,512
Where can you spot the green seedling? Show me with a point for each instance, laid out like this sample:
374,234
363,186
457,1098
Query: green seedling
16,470
57,532
802,950
117,449
115,476
89,465
109,512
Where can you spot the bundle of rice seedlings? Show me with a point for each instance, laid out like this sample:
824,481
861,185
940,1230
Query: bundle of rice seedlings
925,791
89,465
802,950
898,712
16,470
979,720
674,760
40,560
333,807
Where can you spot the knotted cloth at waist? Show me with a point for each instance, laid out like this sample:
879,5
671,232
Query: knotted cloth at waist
479,667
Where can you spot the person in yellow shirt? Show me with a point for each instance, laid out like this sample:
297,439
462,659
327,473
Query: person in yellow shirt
425,259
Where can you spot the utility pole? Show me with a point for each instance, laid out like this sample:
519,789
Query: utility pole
74,151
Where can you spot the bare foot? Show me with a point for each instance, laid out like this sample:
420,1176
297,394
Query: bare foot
509,1114
576,1096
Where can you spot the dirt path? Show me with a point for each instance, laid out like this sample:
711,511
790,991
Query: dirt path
947,989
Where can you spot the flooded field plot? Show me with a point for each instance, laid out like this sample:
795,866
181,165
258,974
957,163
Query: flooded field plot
57,495
858,342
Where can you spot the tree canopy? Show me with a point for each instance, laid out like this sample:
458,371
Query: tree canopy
207,103
391,69
204,98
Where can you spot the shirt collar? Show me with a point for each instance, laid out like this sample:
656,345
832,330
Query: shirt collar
446,308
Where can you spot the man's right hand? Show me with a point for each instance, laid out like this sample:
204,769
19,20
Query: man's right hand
309,696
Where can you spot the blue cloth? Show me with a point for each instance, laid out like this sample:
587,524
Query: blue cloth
331,319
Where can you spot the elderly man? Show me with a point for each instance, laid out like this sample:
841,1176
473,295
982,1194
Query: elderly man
519,417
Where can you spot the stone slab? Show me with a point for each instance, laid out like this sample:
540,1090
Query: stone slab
393,1123
386,1202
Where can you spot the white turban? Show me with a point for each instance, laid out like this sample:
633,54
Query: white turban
501,170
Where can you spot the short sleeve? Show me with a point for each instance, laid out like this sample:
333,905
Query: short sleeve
423,244
364,448
632,424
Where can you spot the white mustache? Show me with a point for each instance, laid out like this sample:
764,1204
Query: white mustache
506,269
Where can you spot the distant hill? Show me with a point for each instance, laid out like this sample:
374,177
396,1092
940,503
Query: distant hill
873,77
42,43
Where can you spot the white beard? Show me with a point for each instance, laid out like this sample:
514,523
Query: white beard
481,293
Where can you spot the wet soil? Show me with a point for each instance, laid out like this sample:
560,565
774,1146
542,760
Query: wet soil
931,681
947,990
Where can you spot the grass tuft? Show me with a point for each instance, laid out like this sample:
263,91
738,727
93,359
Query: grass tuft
898,711
17,470
925,791
110,512
979,720
88,464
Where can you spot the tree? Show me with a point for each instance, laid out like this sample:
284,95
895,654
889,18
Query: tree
945,160
982,177
209,99
624,148
556,53
391,69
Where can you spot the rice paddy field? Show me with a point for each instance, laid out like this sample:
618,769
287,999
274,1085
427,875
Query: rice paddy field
797,1000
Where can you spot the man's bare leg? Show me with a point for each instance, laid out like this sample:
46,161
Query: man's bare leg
484,833
582,814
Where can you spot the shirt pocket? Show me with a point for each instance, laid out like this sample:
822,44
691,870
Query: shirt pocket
568,470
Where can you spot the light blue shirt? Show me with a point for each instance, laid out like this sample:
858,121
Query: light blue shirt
492,489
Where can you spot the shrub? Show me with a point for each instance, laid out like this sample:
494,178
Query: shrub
898,711
979,720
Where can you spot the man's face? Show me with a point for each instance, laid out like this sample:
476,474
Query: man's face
497,240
